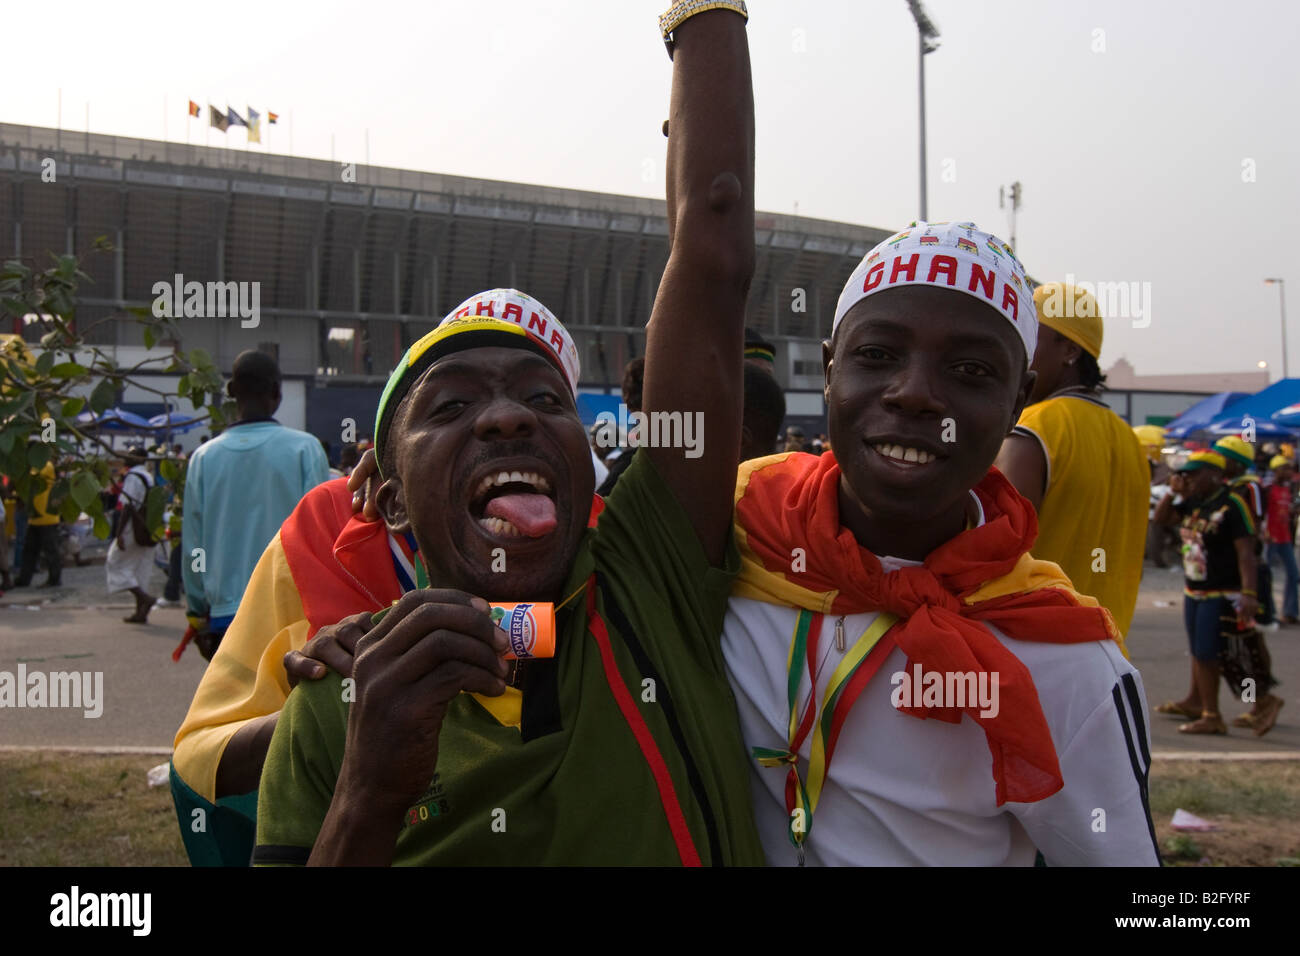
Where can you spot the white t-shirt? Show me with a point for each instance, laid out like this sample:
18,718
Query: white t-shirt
906,792
135,491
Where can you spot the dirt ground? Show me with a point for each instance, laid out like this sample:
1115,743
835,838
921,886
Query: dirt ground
1256,806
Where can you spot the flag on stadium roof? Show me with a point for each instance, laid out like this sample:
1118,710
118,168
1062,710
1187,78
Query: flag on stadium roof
234,118
217,118
254,126
272,117
194,108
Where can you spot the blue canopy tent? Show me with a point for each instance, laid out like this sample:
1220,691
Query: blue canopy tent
1288,417
1259,409
176,422
114,419
1201,414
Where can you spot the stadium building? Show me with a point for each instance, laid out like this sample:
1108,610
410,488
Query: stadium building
354,263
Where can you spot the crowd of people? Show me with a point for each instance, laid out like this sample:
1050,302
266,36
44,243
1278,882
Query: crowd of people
873,627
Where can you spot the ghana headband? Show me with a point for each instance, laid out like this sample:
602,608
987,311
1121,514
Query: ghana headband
496,318
948,255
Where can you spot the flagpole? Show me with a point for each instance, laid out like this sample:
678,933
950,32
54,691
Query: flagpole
164,117
290,132
87,126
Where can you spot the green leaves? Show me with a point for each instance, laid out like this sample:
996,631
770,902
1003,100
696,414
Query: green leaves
17,406
84,489
66,369
45,387
104,395
38,455
154,504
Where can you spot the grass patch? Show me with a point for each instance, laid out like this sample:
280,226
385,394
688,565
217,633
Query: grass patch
68,809
1256,805
1240,788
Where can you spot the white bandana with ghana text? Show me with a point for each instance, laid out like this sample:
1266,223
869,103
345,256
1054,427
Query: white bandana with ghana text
948,255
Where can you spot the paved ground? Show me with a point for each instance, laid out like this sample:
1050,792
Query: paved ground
79,626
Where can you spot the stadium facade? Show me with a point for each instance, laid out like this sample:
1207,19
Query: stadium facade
354,263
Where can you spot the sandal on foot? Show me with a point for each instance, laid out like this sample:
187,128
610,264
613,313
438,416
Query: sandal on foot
1205,724
1267,716
1245,720
1177,710
137,619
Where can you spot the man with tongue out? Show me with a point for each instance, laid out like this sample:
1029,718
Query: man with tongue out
624,747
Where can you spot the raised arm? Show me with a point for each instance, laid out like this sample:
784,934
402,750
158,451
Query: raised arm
695,337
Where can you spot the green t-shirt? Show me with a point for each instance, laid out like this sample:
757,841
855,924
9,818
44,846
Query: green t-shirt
572,784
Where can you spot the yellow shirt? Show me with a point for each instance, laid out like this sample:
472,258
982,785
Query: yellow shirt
1093,521
40,516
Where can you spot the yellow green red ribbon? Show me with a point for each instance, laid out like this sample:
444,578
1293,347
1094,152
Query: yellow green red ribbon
846,684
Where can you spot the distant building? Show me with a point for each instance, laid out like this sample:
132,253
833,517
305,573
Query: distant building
1122,375
353,263
1156,399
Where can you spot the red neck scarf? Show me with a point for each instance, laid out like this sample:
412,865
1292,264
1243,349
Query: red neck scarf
791,501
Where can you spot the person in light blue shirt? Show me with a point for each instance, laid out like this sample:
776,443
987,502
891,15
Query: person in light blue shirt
239,488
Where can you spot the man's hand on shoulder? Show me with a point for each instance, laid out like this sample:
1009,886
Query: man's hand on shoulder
364,484
333,648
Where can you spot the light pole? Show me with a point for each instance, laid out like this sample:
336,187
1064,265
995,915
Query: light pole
1015,206
928,34
1281,289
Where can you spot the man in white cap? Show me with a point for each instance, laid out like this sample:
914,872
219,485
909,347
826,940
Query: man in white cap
914,686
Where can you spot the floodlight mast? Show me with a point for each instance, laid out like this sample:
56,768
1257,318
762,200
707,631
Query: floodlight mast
928,36
1281,288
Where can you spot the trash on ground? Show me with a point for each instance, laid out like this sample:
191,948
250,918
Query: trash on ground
1189,821
157,776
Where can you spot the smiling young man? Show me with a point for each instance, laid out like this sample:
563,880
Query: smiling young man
965,705
624,748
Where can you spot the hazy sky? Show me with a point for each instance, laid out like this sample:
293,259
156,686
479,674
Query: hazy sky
1135,126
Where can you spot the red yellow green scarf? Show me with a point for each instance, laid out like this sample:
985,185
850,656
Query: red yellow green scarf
984,575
